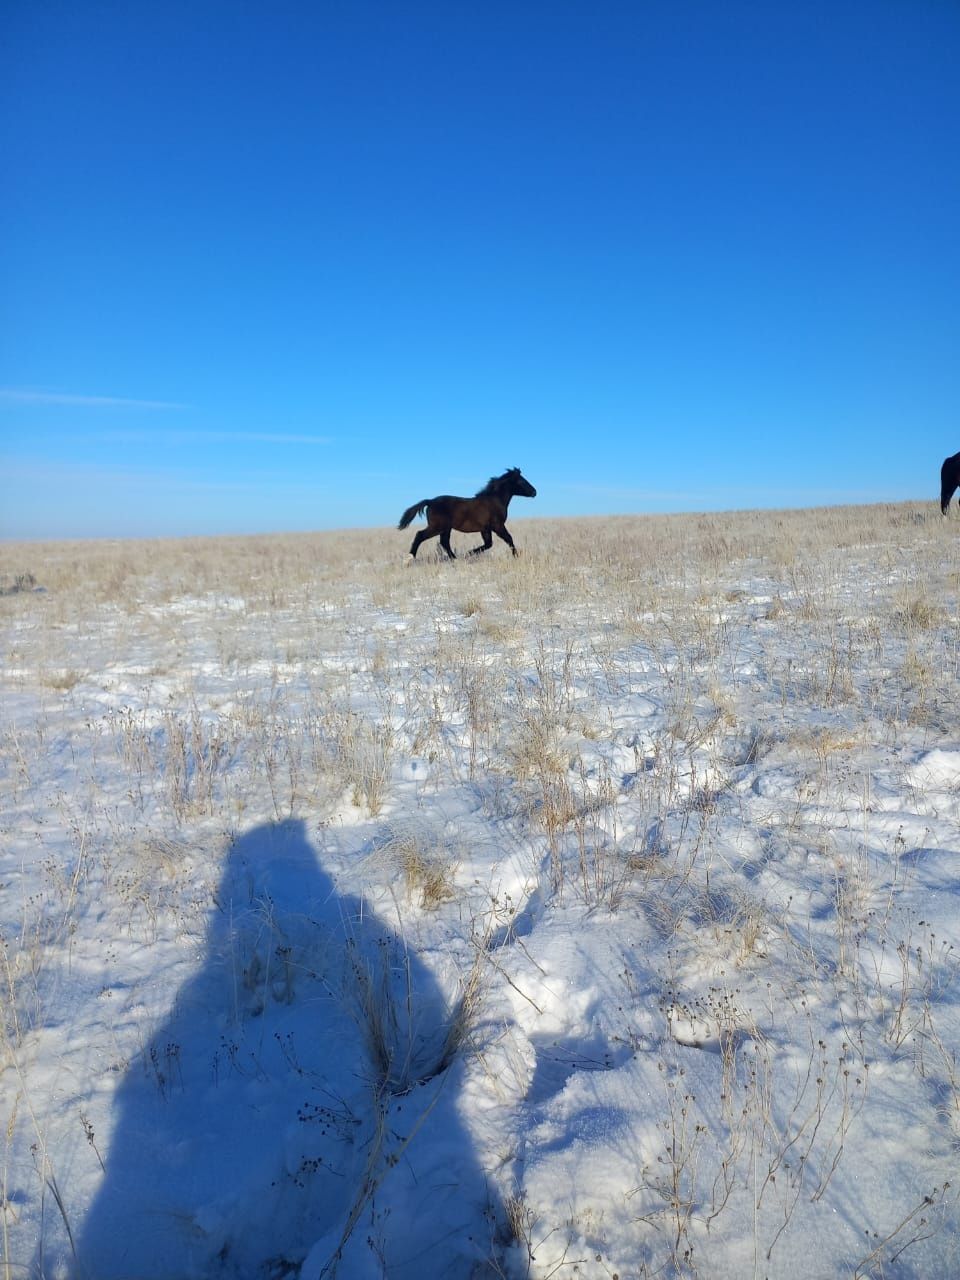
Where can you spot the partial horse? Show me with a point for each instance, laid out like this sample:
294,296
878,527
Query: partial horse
485,514
949,481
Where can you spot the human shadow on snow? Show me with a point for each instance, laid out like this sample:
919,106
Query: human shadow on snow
296,1113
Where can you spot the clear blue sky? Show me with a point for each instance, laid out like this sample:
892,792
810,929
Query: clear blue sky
295,266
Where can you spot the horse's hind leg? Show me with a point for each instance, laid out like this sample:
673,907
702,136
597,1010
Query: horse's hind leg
422,536
445,543
502,532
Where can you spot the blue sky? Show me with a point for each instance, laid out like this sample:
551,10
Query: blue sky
296,266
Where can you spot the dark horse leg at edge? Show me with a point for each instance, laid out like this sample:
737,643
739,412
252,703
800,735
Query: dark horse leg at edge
949,481
485,514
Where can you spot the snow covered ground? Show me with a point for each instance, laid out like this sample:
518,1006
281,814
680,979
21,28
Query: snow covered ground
590,914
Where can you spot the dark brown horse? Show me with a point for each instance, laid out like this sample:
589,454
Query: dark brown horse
949,481
485,514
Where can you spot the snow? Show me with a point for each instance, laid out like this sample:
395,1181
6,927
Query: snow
589,914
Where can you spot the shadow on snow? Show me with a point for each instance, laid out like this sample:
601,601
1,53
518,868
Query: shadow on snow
297,1111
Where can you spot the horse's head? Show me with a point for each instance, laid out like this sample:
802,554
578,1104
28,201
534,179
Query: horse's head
519,485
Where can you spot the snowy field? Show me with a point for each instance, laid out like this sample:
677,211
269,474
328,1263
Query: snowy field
590,914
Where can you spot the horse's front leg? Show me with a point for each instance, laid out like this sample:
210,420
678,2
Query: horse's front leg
502,532
487,543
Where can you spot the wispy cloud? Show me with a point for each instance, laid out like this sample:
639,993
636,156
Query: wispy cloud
99,477
17,395
758,492
202,435
618,490
268,437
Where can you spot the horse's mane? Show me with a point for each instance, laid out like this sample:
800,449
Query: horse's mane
493,484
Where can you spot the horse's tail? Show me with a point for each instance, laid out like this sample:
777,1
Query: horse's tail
412,512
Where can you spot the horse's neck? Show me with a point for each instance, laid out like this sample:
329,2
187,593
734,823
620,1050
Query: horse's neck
498,495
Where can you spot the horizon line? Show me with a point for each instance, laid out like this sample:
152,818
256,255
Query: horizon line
700,512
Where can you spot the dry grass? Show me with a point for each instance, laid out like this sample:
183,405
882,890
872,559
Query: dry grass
324,667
